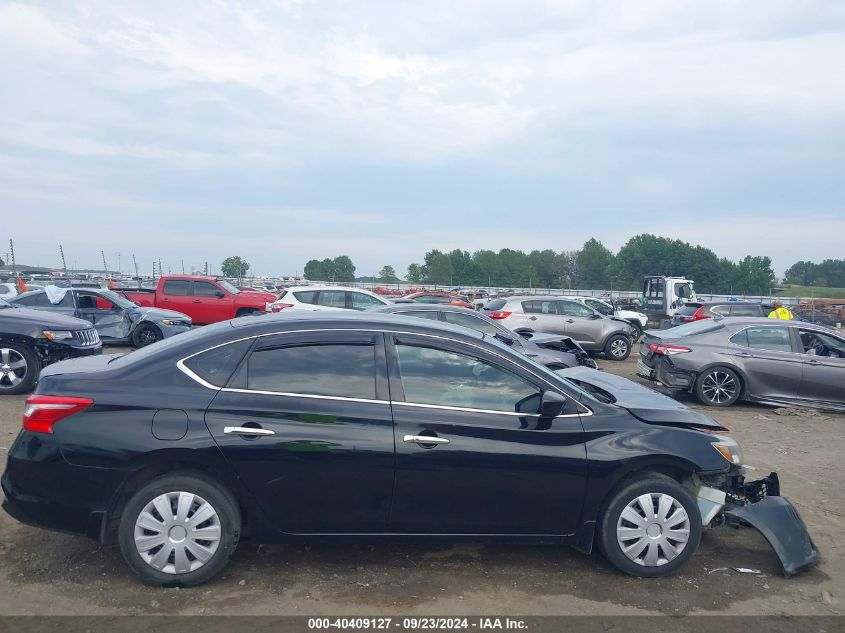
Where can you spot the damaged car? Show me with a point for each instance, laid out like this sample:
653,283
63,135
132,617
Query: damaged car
30,340
116,319
772,361
389,426
552,350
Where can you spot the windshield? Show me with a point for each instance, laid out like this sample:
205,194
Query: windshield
117,300
227,286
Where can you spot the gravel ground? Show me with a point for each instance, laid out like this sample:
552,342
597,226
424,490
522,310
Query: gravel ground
47,573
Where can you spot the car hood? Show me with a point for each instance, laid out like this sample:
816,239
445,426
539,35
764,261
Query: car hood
159,313
43,318
643,403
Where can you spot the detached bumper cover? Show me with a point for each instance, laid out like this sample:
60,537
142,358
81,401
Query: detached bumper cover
777,520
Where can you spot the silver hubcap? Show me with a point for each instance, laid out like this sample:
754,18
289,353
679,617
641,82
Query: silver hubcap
618,348
177,532
718,387
12,368
653,529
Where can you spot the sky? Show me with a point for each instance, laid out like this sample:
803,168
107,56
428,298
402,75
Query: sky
283,131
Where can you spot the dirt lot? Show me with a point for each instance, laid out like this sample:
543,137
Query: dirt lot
47,573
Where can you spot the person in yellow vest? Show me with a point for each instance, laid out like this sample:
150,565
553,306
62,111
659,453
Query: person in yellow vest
780,312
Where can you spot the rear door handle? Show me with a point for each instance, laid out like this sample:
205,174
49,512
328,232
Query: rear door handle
533,318
246,430
743,354
570,320
424,439
197,300
813,362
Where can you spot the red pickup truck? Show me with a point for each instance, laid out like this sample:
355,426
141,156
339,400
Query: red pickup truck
204,299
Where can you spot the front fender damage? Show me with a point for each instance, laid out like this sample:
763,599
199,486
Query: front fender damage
758,504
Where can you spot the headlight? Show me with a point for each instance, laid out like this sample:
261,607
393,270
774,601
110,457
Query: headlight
57,335
729,449
175,322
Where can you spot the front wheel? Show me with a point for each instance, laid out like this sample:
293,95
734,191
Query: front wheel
179,530
18,368
718,387
638,330
651,527
618,347
146,334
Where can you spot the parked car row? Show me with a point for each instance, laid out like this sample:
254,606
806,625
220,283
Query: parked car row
360,423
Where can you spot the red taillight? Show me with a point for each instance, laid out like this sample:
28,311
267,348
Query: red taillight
699,314
499,314
42,412
278,307
667,350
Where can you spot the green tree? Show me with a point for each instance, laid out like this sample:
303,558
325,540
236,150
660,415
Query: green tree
755,275
343,269
594,261
234,266
415,274
437,268
315,270
387,275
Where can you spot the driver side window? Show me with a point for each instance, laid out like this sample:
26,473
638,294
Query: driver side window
446,378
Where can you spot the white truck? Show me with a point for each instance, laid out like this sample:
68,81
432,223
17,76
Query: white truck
662,296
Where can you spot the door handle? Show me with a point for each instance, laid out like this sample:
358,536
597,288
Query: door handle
533,318
246,430
424,439
570,320
743,354
813,362
197,300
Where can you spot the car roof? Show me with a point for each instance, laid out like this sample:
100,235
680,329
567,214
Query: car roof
327,287
425,307
370,319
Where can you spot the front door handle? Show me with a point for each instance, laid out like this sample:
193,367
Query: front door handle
533,318
246,430
197,300
570,320
813,362
743,355
424,439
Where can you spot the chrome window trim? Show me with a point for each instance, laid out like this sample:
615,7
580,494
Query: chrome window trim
767,326
180,364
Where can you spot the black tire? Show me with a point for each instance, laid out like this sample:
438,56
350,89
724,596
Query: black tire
13,377
638,331
718,387
610,520
146,334
618,347
228,519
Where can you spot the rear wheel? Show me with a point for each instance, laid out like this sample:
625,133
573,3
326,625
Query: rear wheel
718,387
146,334
618,347
651,527
18,368
179,530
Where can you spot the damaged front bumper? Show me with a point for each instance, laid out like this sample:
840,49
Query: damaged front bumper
730,500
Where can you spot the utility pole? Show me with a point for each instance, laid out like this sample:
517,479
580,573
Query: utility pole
135,262
159,268
119,272
12,251
183,266
205,268
105,266
64,263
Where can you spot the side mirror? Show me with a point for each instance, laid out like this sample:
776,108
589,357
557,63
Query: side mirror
595,315
551,404
219,294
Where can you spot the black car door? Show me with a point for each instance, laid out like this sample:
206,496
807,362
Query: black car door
472,454
306,423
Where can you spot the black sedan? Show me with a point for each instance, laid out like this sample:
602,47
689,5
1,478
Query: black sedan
30,339
552,350
364,424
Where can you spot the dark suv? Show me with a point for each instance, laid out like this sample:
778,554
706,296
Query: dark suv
31,339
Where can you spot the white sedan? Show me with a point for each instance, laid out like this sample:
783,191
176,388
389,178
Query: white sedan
326,298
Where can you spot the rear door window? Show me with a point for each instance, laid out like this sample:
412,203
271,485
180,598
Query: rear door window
495,304
332,298
340,370
215,366
539,307
177,287
306,296
723,310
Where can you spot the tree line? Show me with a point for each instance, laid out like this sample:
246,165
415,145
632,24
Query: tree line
593,266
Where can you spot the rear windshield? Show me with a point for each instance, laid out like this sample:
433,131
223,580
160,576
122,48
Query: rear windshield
688,309
495,304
